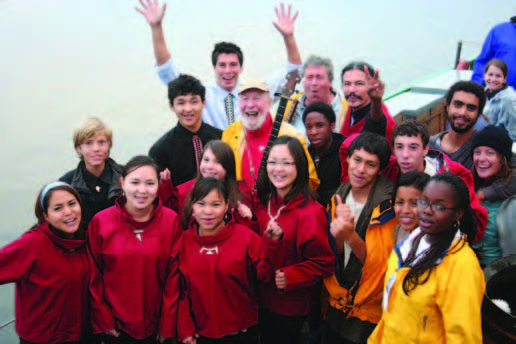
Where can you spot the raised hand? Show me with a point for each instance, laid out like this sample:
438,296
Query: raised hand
285,22
273,231
245,211
281,279
375,86
164,176
152,12
343,226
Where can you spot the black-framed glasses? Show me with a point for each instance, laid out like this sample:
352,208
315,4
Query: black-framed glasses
422,204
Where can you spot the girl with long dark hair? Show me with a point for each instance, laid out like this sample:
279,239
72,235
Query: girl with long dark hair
286,201
50,268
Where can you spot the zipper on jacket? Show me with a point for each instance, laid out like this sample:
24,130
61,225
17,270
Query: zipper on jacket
424,322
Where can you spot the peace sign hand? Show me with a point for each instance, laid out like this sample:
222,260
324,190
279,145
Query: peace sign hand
285,22
375,87
152,12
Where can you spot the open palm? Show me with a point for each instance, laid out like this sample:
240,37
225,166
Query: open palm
285,20
152,11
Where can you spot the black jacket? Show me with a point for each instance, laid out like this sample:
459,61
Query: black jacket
96,193
328,169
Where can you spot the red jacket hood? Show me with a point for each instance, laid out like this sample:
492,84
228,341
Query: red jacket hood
66,244
120,206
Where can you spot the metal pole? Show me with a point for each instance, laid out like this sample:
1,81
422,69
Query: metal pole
457,57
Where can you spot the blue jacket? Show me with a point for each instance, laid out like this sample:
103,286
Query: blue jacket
500,43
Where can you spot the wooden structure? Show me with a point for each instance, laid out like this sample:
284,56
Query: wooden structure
425,102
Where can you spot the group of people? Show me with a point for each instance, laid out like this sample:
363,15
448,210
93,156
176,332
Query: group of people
372,233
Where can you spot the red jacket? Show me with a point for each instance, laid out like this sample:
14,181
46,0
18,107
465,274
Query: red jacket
174,197
306,255
51,276
134,283
220,273
444,164
348,129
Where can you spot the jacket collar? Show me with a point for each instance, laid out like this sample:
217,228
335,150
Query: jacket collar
120,205
79,182
65,244
212,239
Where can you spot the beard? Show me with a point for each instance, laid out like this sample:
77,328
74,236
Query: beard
253,124
461,130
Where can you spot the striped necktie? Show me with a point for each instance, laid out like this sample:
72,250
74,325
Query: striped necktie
230,112
197,144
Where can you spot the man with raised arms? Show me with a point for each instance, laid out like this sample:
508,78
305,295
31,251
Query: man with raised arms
222,102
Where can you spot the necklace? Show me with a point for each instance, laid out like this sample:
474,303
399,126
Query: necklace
275,217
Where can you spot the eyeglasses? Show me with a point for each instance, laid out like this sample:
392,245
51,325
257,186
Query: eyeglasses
283,164
422,204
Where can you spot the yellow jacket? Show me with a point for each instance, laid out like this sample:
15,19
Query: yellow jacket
445,309
364,301
233,136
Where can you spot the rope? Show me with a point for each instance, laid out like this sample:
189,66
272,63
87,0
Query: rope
6,324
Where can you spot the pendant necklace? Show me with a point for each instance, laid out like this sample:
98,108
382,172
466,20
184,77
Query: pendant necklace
275,217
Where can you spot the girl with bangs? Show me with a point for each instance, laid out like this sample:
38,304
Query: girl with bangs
227,258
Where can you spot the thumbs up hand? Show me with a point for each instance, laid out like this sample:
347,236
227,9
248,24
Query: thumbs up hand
343,225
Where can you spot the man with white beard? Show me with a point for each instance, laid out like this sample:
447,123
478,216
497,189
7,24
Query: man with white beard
248,137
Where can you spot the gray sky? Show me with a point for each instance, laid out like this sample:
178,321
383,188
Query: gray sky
64,60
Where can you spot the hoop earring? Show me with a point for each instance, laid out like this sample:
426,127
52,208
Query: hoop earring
456,225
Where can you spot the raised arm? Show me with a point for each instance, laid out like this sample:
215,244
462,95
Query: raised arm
154,13
285,25
480,62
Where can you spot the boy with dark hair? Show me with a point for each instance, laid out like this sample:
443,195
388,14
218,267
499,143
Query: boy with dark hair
319,119
179,150
464,103
362,226
411,151
226,48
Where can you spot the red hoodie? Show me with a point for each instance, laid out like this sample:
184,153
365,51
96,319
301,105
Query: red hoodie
51,276
306,255
135,277
220,273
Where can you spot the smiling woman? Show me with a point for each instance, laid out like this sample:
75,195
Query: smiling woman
50,269
128,283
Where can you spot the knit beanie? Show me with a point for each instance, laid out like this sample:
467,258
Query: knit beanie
496,138
323,108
